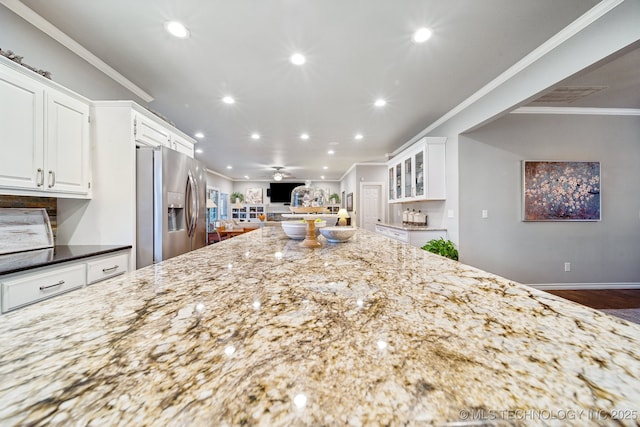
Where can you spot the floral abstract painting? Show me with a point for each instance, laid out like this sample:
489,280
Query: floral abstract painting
561,191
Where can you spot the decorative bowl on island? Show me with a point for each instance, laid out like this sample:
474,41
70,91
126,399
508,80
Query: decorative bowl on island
337,234
297,230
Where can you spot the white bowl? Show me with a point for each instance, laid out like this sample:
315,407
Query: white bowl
337,234
298,229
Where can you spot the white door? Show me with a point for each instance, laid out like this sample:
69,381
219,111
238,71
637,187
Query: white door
371,205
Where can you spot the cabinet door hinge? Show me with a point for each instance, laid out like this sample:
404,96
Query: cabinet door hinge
135,127
89,184
88,119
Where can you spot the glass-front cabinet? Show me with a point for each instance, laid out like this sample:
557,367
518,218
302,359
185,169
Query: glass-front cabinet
392,189
419,175
408,177
419,172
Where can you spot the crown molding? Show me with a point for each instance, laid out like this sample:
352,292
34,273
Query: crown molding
52,31
578,111
588,18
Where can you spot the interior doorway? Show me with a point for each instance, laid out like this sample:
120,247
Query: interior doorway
371,205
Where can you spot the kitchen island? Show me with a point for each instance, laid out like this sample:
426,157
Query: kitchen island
257,330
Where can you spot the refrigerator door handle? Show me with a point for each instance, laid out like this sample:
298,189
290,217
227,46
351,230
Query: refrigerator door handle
190,212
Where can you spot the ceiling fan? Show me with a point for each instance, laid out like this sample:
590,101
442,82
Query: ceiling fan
278,175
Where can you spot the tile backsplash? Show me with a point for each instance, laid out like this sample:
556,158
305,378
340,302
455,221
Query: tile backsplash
49,203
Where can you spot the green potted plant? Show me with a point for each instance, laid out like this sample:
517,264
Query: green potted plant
442,247
334,198
237,197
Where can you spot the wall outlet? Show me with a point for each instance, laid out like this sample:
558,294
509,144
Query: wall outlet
485,213
567,266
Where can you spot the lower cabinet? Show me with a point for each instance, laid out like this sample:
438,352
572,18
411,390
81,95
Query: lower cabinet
30,286
416,238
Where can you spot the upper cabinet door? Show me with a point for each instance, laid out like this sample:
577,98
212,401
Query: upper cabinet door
21,132
420,175
67,155
148,132
408,177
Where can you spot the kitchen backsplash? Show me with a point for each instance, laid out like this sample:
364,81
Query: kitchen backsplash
49,203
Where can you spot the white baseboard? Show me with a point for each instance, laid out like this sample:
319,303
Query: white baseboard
583,286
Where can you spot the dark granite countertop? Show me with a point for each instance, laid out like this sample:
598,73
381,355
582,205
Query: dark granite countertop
20,261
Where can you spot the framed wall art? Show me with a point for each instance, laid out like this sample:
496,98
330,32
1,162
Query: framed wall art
253,196
350,202
561,191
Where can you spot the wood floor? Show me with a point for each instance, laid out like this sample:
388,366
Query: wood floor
623,303
613,298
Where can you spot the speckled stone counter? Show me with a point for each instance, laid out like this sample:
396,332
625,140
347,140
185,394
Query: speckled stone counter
256,330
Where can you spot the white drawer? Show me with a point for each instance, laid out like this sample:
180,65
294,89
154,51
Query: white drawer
106,267
400,235
29,288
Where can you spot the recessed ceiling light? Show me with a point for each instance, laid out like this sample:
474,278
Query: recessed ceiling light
199,135
421,35
331,152
246,176
199,150
176,29
325,167
228,100
229,167
380,102
255,135
298,59
304,136
358,136
322,177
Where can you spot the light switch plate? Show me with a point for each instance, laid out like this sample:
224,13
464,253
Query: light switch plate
485,214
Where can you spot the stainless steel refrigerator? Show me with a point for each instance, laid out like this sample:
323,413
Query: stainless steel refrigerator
170,205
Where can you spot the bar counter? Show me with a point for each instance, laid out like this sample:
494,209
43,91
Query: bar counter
257,330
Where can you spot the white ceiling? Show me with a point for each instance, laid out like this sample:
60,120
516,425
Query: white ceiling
357,51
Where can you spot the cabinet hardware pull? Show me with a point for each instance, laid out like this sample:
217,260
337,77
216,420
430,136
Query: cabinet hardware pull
52,179
39,177
107,270
44,288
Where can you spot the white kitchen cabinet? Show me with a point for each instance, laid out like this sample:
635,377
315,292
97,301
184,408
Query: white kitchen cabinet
21,127
67,160
46,130
30,286
23,289
153,132
149,132
414,237
182,145
103,268
418,173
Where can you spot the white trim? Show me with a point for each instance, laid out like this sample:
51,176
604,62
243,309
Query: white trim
211,171
578,110
588,18
584,286
359,164
46,27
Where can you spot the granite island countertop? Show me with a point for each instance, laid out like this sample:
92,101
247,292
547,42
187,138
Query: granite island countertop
256,330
